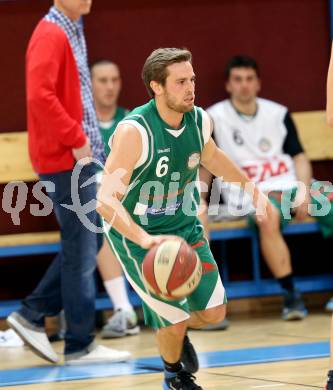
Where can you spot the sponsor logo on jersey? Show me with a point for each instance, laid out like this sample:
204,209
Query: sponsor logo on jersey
167,150
265,144
167,210
193,160
237,137
263,170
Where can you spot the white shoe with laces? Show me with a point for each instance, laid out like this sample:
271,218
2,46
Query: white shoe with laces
99,354
35,337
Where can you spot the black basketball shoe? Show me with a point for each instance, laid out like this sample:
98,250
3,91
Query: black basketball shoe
189,357
183,380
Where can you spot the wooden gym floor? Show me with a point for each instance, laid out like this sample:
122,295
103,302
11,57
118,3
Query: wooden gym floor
236,359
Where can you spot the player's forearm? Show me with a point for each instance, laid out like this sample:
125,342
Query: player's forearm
329,102
221,166
119,219
205,180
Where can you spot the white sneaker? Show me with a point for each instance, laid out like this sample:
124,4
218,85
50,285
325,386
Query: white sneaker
329,305
99,354
33,336
122,323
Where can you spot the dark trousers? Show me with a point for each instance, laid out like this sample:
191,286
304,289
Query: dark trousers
69,282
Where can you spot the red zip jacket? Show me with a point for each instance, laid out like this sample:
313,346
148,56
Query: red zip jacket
54,105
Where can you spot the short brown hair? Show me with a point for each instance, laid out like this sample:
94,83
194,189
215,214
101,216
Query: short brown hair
155,66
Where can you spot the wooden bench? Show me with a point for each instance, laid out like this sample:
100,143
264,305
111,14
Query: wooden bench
20,169
312,130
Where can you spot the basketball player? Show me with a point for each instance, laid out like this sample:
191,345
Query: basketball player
260,136
152,168
329,113
106,86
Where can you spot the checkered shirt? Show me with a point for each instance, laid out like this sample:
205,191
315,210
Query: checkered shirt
75,35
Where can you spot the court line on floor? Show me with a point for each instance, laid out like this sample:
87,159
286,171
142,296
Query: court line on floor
277,382
47,374
284,335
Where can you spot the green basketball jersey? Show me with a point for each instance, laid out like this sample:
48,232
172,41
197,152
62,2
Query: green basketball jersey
107,128
163,195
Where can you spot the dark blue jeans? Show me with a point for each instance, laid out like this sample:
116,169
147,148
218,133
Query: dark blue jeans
69,282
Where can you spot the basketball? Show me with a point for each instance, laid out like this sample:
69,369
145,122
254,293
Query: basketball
172,270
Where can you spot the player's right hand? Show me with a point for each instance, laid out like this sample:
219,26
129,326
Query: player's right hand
84,154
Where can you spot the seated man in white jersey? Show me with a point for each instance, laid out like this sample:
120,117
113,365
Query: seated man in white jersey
106,86
260,136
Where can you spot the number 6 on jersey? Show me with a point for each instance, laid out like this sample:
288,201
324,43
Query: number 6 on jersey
162,166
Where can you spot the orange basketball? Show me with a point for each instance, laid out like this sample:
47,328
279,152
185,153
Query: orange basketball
172,270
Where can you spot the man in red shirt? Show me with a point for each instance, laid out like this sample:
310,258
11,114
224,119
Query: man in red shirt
63,130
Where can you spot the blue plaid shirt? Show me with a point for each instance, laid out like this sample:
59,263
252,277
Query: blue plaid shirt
74,32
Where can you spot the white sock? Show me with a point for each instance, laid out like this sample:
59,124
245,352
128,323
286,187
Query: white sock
116,289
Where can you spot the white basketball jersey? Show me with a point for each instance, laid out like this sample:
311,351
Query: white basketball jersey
256,145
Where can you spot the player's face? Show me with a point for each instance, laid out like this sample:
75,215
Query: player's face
74,8
243,84
106,84
178,91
